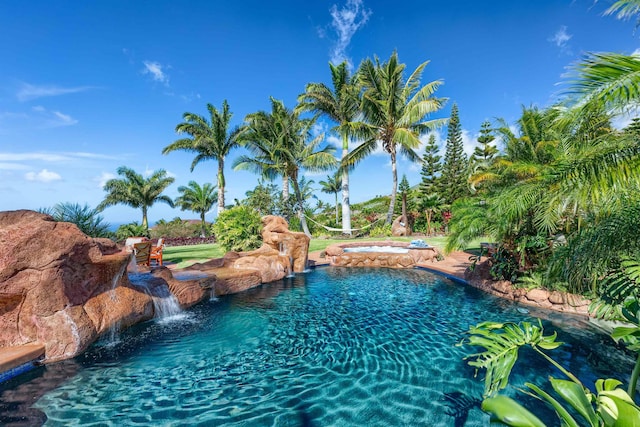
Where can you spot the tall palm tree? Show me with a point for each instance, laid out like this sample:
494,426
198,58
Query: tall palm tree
333,185
137,192
280,144
394,113
341,105
210,139
196,198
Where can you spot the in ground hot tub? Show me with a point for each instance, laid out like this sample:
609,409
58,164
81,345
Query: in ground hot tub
380,254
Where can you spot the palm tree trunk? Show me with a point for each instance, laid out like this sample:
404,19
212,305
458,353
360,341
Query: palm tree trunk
337,218
346,208
285,188
394,190
203,233
145,222
303,219
221,185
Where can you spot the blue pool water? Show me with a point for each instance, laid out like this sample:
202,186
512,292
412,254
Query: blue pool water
335,347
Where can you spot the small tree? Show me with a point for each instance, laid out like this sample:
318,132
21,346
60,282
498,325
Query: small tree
197,199
484,153
238,229
431,166
405,188
453,184
332,185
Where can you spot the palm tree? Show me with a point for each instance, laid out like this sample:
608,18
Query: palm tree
209,139
341,105
333,185
280,145
137,192
197,199
394,112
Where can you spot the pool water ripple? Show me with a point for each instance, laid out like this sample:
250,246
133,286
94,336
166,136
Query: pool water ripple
336,347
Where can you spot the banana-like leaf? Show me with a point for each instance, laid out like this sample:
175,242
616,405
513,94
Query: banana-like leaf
617,409
509,412
562,413
577,397
501,342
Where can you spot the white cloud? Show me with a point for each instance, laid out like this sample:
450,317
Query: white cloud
28,92
20,157
54,118
561,39
103,178
636,52
346,21
43,176
156,70
12,166
60,119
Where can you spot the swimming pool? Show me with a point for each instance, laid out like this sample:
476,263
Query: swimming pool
352,347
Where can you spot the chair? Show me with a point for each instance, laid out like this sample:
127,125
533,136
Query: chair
142,253
156,252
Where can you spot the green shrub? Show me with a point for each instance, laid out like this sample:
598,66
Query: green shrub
88,220
383,230
238,229
133,229
175,228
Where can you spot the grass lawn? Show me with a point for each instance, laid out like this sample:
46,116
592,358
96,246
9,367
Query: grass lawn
184,256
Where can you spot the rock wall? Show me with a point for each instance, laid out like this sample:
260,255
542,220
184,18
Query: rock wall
339,258
552,300
282,250
64,289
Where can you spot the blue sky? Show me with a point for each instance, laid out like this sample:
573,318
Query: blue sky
86,87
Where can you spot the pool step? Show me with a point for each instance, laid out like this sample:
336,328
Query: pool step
18,359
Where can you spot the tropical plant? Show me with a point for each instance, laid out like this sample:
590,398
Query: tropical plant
262,198
132,229
394,112
340,104
574,404
198,199
280,144
238,229
430,205
88,220
210,139
332,185
137,192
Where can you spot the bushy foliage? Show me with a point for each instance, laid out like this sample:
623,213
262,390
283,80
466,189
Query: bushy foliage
383,230
175,228
88,220
238,229
133,229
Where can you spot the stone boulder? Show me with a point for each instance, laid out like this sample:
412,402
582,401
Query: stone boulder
398,228
64,289
294,245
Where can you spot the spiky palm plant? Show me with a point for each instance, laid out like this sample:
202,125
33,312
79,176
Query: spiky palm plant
210,139
340,104
280,144
394,111
136,191
196,198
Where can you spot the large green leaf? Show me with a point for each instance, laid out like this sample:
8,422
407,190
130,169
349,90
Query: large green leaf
577,397
562,413
510,412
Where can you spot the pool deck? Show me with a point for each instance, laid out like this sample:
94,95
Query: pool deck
454,264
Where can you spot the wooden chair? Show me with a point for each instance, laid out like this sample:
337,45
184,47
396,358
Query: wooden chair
142,253
156,252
